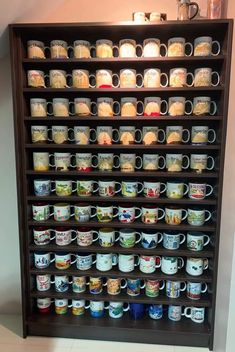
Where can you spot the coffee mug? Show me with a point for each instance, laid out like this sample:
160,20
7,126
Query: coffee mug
195,289
153,287
177,162
63,260
151,135
105,213
177,47
108,188
41,161
199,191
83,135
199,162
38,107
129,79
63,236
107,237
153,106
79,284
40,211
203,46
128,238
62,283
153,189
85,162
134,287
173,240
175,313
85,188
82,79
42,236
140,17
62,212
105,261
105,79
84,107
131,107
85,237
62,161
84,261
39,134
131,188
196,266
137,310
43,282
198,217
60,134
114,285
127,135
130,162
96,285
177,135
179,106
174,216
97,309
174,288
205,77
43,305
156,311
81,49
149,264
153,162
176,190
204,106
104,48
36,79
200,135
196,314
35,49
150,239
126,262
127,48
42,188
105,135
107,161
152,48
107,107
116,309
83,212
63,188
150,214
78,306
58,79
59,49
126,213
42,260
153,78
171,265
179,77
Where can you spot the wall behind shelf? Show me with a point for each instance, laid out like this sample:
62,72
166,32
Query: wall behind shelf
90,10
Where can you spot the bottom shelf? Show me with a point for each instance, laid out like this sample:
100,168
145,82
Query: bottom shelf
146,330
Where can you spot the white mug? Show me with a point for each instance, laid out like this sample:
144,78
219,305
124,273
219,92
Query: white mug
171,265
126,262
105,261
196,266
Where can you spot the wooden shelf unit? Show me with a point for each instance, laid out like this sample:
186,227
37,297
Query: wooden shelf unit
146,330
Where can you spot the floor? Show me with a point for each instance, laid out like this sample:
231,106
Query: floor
10,341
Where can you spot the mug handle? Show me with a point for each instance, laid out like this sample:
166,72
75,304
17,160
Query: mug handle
142,105
49,103
119,190
141,136
73,239
184,287
138,260
185,215
71,139
74,190
189,74
205,288
191,48
188,138
95,213
96,238
72,113
119,108
212,161
210,191
166,50
118,80
219,48
141,163
96,189
188,162
92,139
92,47
214,135
73,261
180,265
191,104
161,237
118,237
51,165
139,46
186,314
167,107
167,80
115,140
52,260
183,238
214,108
164,136
115,215
218,79
163,285
116,48
160,262
68,75
125,285
163,214
205,263
142,80
127,307
207,240
143,286
95,158
140,213
209,215
73,156
164,162
93,103
164,187
142,187
87,306
187,189
118,163
92,85
140,237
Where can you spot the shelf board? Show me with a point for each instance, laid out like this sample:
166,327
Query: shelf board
140,199
137,60
123,90
183,300
144,174
157,275
208,252
140,147
165,118
118,224
144,330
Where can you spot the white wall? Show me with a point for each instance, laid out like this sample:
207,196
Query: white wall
89,10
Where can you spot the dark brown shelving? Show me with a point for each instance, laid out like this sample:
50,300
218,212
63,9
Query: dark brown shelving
117,224
157,275
118,199
146,330
95,248
123,297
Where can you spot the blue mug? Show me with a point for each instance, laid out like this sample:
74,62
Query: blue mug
97,309
155,311
137,310
42,188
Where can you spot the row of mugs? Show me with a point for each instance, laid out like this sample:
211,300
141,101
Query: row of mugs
149,214
115,286
127,48
127,162
131,189
126,262
117,309
128,238
127,78
129,107
106,135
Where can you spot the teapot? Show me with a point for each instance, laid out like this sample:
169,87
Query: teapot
184,10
